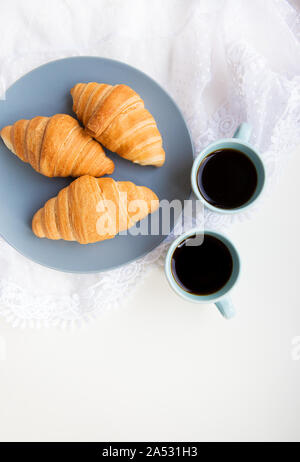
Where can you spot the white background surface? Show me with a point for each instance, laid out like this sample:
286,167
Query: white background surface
163,369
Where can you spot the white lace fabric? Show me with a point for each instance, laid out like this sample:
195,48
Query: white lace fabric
223,61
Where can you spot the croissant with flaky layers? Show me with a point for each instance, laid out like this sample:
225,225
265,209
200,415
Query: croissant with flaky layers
56,146
117,118
93,209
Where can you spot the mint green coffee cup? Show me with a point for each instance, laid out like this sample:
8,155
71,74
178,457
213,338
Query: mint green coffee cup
221,298
240,143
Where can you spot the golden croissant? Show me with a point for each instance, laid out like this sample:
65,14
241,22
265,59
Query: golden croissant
93,209
56,146
116,116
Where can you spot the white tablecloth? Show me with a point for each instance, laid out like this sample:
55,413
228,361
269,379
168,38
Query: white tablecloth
224,61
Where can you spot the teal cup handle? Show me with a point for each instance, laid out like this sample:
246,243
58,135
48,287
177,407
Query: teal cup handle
243,132
226,308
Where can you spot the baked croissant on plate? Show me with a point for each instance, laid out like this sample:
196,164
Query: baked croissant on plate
116,116
56,146
93,209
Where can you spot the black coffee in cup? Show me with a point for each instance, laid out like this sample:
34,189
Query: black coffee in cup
227,178
201,266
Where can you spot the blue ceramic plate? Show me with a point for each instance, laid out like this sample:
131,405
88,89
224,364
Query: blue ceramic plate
46,91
